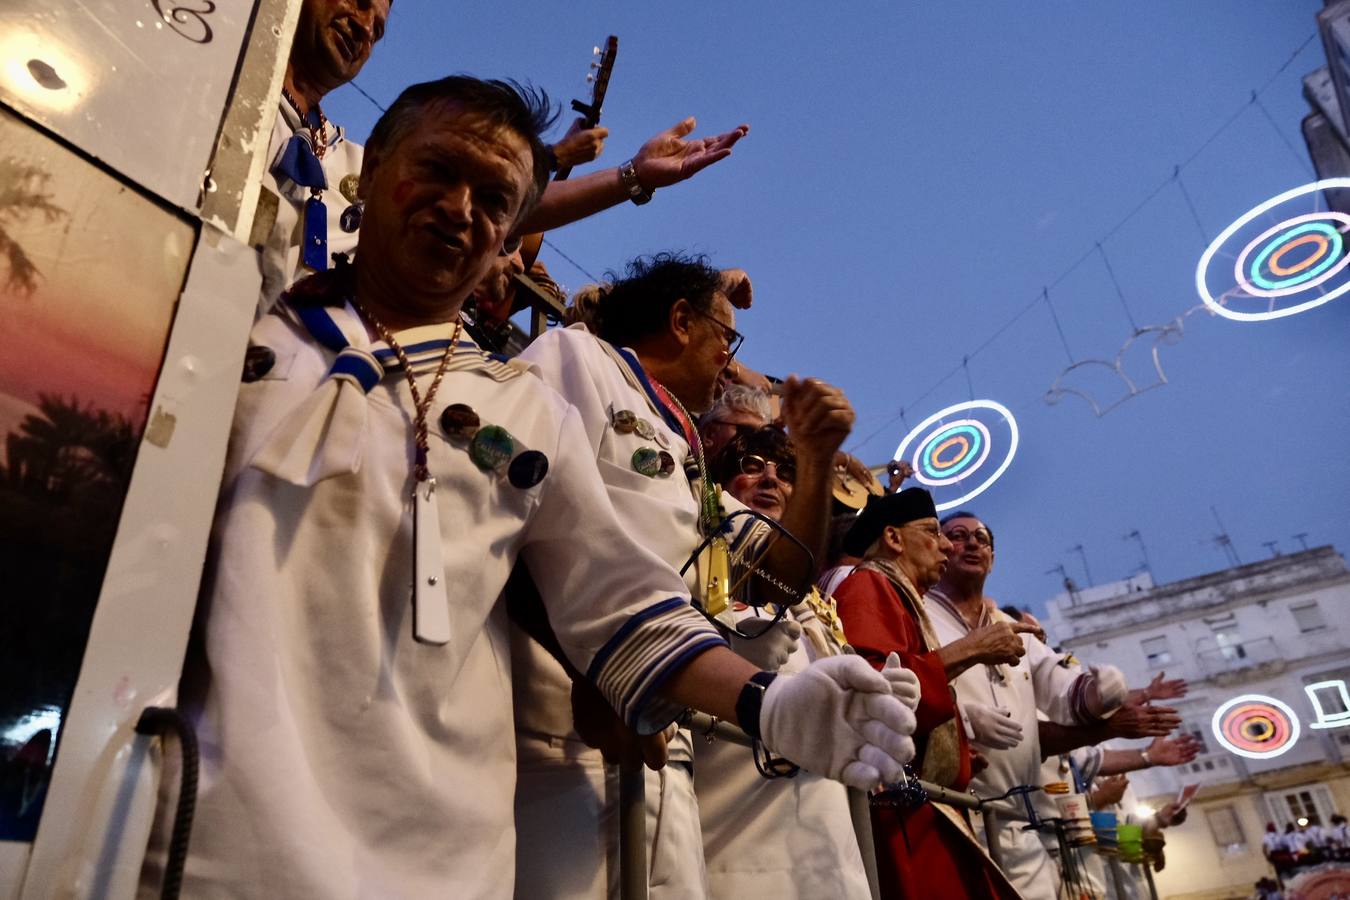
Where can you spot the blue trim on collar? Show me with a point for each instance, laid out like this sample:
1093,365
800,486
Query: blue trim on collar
671,420
357,364
390,359
320,324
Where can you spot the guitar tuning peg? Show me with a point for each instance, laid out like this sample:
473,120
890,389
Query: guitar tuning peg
595,51
589,78
595,65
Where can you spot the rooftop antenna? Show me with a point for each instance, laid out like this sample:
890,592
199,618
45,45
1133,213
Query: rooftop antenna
1139,539
1069,587
1078,548
1301,537
1225,542
1273,547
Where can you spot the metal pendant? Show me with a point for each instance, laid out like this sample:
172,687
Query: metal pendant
314,245
431,605
717,595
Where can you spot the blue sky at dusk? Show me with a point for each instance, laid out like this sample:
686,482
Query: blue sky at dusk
914,176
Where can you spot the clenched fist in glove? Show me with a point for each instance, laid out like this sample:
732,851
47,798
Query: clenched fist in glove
904,683
993,726
766,643
838,718
1106,692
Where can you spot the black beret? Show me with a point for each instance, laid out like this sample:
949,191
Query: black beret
908,505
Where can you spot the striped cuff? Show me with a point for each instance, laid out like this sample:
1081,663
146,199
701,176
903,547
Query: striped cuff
1078,701
633,665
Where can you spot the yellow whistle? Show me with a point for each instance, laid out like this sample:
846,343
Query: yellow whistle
716,598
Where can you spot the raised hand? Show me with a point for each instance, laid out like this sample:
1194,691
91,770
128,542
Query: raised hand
579,146
1135,719
1159,689
1165,751
818,417
671,157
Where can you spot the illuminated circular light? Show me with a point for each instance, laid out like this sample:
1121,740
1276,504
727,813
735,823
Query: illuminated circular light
1256,726
1300,262
959,458
951,450
1273,243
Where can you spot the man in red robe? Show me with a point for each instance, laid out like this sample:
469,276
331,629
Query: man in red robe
926,850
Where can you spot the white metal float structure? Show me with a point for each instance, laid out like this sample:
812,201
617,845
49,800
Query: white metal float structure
132,138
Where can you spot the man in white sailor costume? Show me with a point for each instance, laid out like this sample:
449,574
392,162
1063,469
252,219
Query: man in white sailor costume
349,676
663,336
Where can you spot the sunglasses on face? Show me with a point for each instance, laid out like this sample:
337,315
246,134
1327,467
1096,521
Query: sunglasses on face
754,465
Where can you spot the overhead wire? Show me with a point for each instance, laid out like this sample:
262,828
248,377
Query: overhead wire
1175,176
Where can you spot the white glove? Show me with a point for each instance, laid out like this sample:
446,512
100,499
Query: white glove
904,683
774,645
838,718
1107,691
993,726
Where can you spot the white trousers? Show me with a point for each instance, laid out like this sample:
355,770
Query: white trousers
567,826
1025,862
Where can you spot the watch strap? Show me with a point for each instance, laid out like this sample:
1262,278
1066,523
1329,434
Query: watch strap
636,192
751,702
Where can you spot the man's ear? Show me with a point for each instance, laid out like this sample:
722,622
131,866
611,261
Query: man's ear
891,536
681,321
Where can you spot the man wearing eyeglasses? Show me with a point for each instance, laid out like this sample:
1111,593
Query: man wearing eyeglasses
927,850
1000,699
777,837
662,336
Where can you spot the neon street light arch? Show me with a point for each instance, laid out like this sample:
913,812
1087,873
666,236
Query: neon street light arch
1304,228
972,440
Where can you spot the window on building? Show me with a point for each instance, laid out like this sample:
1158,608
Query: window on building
1311,802
1156,651
1308,617
1199,735
1226,830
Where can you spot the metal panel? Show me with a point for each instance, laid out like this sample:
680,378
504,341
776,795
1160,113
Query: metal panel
141,86
93,833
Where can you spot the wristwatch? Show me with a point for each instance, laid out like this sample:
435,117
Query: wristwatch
751,701
636,192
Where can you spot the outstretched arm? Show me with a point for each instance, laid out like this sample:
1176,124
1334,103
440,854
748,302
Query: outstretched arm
667,158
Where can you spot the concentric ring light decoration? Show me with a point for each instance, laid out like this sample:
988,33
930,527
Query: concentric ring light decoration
1256,726
958,452
1288,255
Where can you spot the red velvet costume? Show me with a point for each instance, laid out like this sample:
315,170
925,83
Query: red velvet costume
921,852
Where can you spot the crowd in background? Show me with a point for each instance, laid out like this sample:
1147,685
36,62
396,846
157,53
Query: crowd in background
658,504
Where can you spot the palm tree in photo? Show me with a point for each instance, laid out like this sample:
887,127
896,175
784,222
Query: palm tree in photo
23,194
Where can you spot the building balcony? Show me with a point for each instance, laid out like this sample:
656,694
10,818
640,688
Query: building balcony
1232,660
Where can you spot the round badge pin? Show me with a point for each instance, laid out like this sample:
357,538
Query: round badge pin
460,421
527,469
258,361
624,421
349,187
667,464
492,447
646,461
662,441
350,220
645,430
